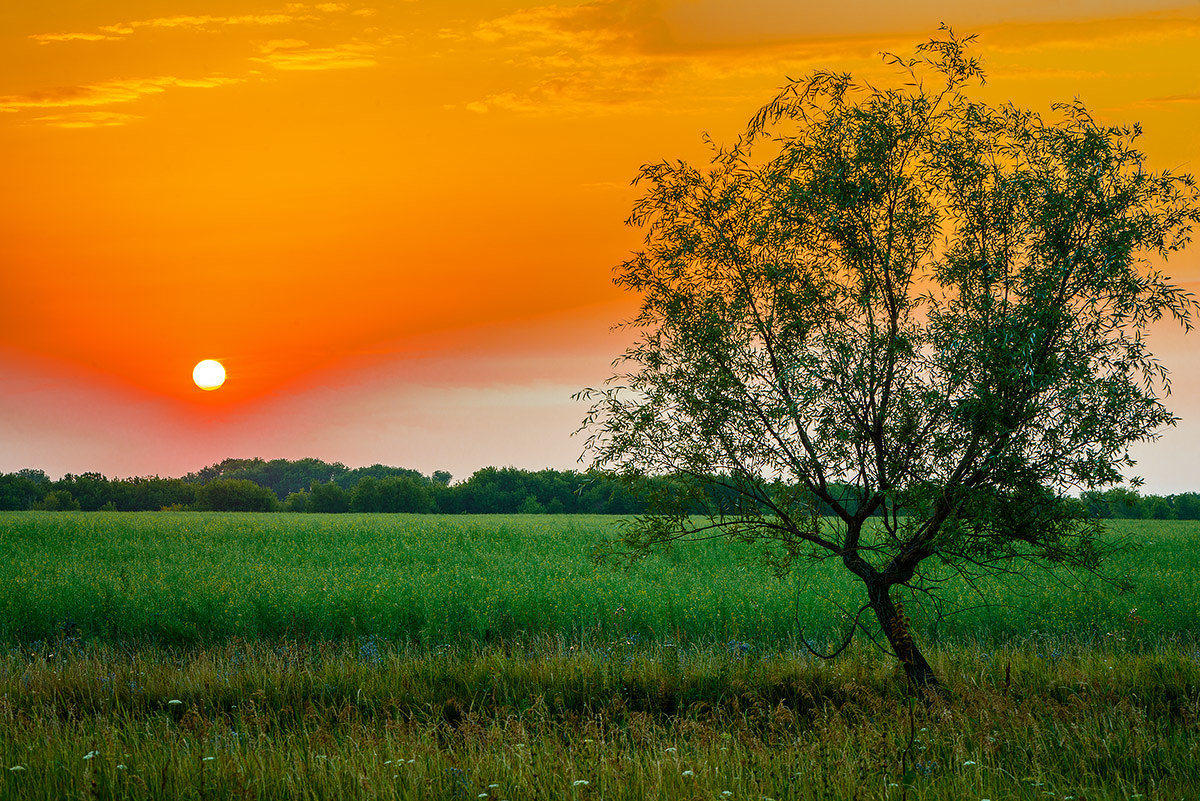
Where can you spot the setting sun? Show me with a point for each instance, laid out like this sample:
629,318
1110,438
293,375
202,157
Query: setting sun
208,374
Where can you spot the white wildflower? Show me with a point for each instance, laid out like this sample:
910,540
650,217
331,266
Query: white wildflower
689,773
968,763
580,783
174,701
91,754
17,767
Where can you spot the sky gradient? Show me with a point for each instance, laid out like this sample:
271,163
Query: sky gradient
395,223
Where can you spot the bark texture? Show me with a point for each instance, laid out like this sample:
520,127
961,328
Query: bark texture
897,629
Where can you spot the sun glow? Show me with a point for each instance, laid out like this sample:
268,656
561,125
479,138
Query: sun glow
208,374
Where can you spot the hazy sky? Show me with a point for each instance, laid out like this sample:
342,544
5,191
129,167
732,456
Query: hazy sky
395,223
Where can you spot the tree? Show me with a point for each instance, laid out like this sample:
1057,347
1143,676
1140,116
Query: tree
296,502
235,495
19,491
920,312
327,497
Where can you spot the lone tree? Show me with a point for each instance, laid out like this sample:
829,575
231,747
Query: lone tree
917,311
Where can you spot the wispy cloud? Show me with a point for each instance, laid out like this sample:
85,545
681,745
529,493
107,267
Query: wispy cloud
297,54
291,13
608,55
591,58
88,119
1189,98
632,25
47,38
108,92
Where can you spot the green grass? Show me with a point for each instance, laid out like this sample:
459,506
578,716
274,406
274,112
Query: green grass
319,720
200,578
434,657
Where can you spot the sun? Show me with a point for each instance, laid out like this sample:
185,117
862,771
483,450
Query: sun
208,374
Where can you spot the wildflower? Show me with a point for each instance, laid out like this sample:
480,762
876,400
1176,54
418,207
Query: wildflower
493,786
672,750
482,795
208,759
174,701
968,763
91,754
689,773
17,767
120,767
580,783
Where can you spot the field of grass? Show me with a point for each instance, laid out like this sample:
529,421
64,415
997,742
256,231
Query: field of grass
270,656
200,578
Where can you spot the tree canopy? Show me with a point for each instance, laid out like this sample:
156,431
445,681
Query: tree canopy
914,310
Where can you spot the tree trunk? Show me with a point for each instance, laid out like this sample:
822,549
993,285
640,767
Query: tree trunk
896,628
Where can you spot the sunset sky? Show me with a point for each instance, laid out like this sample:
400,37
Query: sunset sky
395,223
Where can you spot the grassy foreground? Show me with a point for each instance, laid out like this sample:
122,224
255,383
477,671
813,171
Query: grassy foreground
274,656
295,720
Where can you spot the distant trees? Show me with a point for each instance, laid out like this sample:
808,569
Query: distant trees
327,497
382,489
235,495
19,491
392,494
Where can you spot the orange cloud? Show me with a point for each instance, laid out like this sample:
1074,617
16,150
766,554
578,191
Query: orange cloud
47,38
1193,97
293,12
600,25
107,92
297,54
88,119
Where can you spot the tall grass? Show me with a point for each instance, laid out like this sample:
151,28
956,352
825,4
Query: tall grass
300,657
201,578
321,720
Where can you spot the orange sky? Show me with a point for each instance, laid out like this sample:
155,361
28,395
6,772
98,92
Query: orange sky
395,223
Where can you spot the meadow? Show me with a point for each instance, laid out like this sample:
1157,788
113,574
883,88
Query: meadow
211,655
191,578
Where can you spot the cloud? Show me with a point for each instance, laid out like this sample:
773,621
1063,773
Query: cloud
1192,97
293,12
47,38
297,54
87,119
591,58
107,92
632,25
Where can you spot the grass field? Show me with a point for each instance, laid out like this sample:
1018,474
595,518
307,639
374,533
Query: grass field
199,578
271,656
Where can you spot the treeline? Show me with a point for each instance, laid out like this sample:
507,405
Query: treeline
311,485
